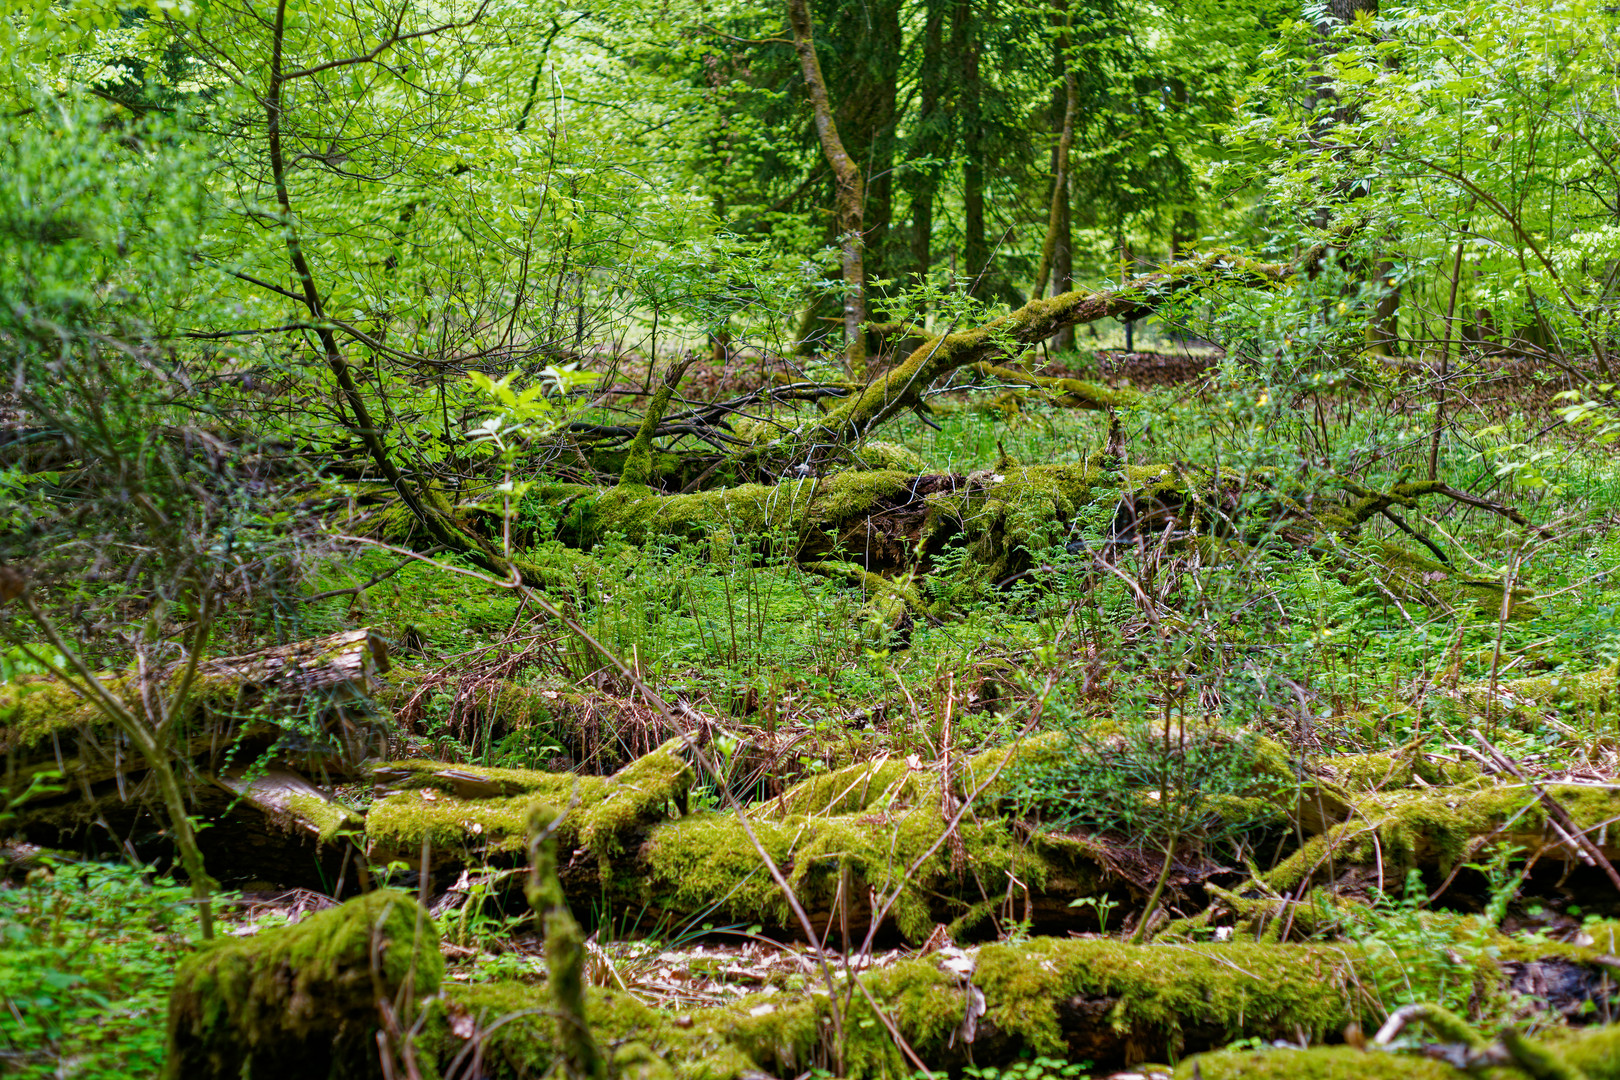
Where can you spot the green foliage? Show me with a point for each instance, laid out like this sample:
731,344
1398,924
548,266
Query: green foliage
87,957
1035,1068
1148,782
1423,957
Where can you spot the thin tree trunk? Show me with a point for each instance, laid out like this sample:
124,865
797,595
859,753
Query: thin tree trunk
851,191
1445,366
1063,262
924,183
975,251
434,518
1060,182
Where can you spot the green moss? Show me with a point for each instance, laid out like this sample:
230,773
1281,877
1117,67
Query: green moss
401,821
707,859
301,1000
1393,769
1327,1063
1009,513
1234,988
640,513
1595,1052
876,454
1149,996
524,1047
33,709
600,811
850,789
1582,698
329,818
1415,576
1437,825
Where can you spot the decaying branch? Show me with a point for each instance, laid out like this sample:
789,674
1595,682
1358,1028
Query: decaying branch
1038,320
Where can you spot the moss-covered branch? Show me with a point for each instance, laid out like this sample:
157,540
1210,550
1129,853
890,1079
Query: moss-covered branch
638,462
1038,320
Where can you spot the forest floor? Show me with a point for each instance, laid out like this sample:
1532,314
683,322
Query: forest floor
1072,821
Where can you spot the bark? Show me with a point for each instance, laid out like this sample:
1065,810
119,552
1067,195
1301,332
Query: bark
869,34
929,120
851,193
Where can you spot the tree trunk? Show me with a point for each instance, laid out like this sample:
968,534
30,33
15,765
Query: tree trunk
975,250
851,192
867,86
1056,217
922,180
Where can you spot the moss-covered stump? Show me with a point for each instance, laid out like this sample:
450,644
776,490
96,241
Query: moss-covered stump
472,814
302,1001
1595,1052
1104,1000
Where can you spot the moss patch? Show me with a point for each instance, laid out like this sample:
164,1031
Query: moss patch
871,821
1437,826
300,1000
1086,998
1594,1051
601,812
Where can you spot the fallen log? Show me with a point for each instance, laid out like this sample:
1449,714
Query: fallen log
1104,1001
253,725
1593,1053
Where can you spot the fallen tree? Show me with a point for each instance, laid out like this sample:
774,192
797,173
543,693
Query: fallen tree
252,728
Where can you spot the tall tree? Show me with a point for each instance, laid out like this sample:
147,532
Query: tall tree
851,189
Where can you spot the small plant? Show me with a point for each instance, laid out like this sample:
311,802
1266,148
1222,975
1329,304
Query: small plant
1103,905
1037,1068
87,958
1421,956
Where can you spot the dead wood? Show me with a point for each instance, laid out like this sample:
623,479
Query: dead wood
293,709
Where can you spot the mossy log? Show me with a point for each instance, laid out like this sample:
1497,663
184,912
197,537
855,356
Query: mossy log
1438,827
874,834
326,683
1101,1000
1593,1052
878,520
902,387
468,814
302,1001
1077,999
296,709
